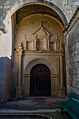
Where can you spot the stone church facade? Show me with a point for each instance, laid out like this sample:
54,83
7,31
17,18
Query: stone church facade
38,53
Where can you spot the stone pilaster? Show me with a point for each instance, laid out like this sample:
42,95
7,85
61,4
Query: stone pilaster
62,88
48,44
34,45
26,84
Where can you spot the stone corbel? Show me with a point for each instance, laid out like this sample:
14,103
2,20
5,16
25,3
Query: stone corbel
5,27
1,33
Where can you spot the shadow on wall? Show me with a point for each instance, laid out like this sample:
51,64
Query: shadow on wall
5,78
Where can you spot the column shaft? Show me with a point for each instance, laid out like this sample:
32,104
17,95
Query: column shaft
19,85
61,70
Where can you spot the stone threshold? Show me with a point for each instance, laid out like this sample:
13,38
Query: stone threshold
12,111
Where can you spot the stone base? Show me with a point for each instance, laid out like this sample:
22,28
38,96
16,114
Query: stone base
61,92
18,92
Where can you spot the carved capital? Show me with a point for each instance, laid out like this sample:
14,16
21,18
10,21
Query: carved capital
19,52
61,53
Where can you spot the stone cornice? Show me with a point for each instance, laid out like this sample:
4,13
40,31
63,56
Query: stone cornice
50,53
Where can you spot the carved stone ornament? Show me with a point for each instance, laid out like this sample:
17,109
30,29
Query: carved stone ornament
41,40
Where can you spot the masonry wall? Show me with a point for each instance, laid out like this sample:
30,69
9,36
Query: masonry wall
68,7
7,8
72,58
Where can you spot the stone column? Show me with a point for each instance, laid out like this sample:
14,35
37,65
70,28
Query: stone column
61,70
62,88
34,38
55,46
48,45
19,85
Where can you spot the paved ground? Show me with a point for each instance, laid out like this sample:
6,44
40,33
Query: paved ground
22,114
19,114
36,105
33,103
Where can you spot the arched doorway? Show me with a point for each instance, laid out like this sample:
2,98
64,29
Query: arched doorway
40,81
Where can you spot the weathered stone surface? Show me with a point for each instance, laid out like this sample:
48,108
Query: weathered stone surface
67,6
72,54
65,9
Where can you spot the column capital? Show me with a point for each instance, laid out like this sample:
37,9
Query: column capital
19,50
61,53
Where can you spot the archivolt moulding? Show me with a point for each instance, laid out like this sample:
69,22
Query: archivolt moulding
38,61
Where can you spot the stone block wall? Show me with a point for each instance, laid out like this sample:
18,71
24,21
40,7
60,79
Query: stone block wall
72,55
68,7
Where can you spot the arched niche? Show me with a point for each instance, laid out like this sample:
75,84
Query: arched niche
23,13
16,7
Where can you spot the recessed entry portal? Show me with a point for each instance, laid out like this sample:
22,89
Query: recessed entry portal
40,81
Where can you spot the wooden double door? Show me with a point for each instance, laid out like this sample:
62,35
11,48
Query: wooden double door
40,81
